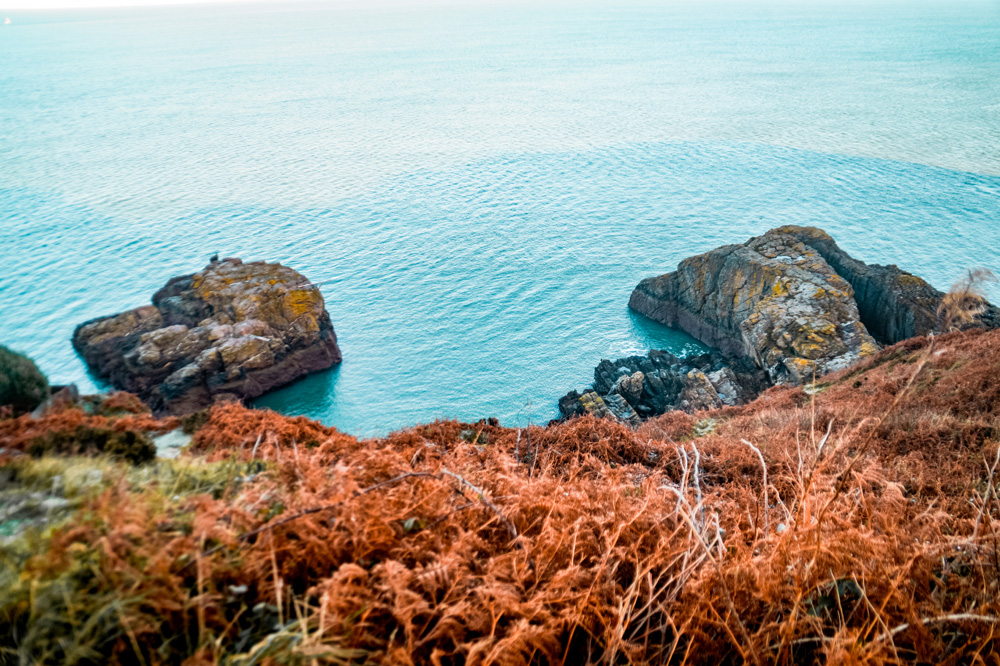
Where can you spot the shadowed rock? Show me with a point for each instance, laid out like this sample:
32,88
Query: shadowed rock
637,387
793,302
232,330
894,305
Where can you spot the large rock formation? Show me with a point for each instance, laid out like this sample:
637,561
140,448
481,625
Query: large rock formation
232,330
773,299
894,305
794,302
790,303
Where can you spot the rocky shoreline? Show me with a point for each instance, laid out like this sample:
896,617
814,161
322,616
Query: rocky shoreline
783,308
241,536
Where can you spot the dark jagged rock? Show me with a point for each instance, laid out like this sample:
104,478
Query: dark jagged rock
638,387
232,330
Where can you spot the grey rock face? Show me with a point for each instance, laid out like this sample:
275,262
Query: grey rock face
781,308
894,305
773,300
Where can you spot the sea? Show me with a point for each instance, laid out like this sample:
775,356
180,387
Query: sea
477,187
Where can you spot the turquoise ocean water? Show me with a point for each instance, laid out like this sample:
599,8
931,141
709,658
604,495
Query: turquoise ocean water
478,188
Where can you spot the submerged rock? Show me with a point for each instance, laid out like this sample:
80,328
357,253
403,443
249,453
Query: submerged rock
233,330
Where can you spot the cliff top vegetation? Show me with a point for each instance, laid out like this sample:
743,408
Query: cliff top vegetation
851,521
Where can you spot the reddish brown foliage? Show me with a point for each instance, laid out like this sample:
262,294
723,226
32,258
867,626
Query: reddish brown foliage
588,542
120,412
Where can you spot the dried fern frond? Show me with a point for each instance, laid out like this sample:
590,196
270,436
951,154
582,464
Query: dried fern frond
962,306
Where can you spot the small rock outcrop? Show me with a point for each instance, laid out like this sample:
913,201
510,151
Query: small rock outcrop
637,387
233,330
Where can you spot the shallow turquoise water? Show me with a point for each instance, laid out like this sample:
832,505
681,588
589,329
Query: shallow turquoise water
478,189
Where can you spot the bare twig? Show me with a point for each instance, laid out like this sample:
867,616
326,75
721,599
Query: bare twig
697,486
485,500
991,470
763,466
957,617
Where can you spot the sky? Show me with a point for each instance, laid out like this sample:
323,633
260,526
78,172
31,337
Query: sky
15,5
80,4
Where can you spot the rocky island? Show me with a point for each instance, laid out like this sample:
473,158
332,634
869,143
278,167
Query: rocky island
783,308
233,330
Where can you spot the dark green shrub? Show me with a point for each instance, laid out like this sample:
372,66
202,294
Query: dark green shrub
22,385
130,445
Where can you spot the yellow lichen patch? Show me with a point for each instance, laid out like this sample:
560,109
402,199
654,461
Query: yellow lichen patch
592,402
809,350
803,364
911,280
303,301
868,349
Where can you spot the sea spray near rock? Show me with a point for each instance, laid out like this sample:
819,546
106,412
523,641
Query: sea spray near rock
232,330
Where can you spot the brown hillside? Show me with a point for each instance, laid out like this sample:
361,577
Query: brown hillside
275,540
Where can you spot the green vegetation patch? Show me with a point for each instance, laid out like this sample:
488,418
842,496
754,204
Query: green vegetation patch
22,385
130,445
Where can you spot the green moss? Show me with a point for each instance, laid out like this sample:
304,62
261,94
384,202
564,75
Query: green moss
193,422
911,280
57,603
22,385
705,427
57,616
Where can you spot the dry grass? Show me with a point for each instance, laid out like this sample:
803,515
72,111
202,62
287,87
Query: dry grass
857,525
965,303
